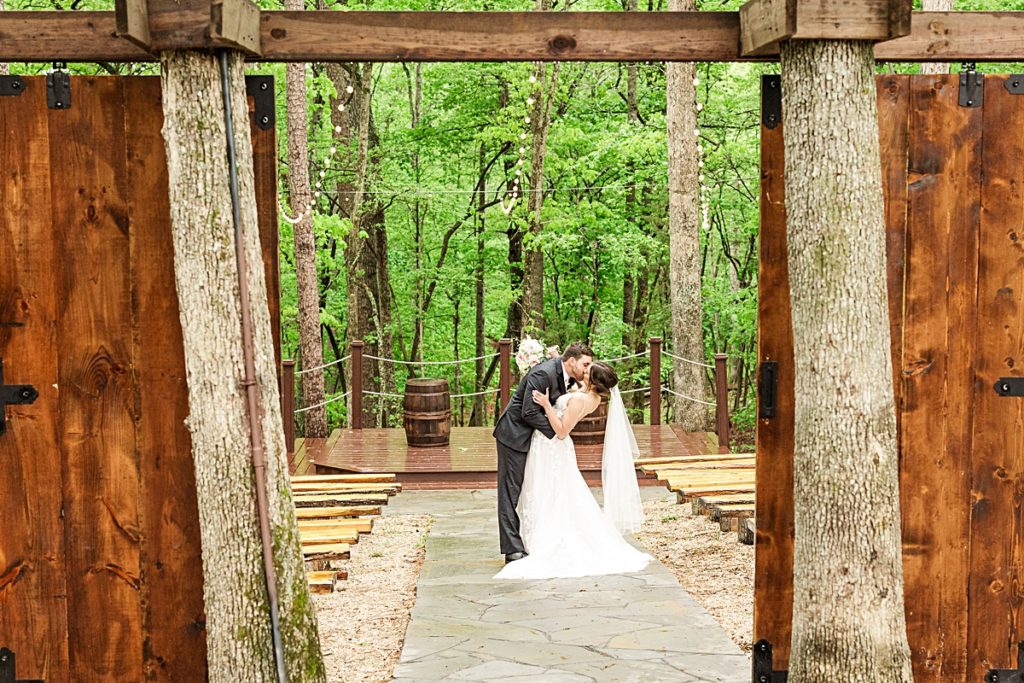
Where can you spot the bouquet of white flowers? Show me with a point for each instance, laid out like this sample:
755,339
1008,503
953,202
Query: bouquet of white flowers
531,351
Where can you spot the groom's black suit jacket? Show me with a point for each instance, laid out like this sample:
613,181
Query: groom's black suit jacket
522,415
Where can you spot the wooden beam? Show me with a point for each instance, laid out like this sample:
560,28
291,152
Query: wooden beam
326,36
765,23
132,19
158,25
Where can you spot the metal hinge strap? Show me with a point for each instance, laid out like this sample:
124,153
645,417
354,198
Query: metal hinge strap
762,664
1009,675
972,86
771,100
8,673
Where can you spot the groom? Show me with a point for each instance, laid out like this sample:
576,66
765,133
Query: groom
514,432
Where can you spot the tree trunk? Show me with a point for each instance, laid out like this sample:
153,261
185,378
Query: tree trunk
848,619
311,349
684,241
476,419
936,6
237,612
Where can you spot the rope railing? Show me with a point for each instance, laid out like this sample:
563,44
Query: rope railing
688,398
325,365
327,402
399,361
633,391
687,360
475,393
382,393
632,355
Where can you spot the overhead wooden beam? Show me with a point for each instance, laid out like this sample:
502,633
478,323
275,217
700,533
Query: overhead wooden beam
158,25
765,23
512,36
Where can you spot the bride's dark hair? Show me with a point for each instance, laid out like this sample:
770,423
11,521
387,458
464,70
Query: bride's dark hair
602,378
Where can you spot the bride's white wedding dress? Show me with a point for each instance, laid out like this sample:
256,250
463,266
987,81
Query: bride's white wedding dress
565,531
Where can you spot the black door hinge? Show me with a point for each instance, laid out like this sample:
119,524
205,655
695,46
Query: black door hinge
762,664
1009,675
972,86
13,394
261,90
1014,84
771,100
7,670
767,385
58,87
11,86
1010,386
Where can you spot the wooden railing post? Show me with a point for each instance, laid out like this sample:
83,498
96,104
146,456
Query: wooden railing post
356,418
722,399
655,380
504,372
288,403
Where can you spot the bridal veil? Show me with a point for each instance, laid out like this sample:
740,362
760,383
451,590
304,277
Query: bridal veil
618,469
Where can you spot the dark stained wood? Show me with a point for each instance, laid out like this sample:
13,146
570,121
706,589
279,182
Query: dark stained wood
938,353
505,36
655,349
764,23
504,373
722,399
893,127
98,400
264,155
773,561
356,417
288,406
996,619
590,429
33,594
427,412
171,581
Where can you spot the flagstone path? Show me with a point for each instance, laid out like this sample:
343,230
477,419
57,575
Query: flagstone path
466,626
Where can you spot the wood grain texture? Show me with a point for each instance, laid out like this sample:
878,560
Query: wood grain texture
171,587
33,593
996,620
938,353
264,157
773,561
511,36
98,400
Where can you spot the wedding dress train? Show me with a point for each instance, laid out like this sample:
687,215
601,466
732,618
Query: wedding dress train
565,531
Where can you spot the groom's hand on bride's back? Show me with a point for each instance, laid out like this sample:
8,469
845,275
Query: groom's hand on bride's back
543,400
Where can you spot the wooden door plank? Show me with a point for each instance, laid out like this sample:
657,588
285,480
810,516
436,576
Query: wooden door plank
996,618
941,284
33,604
172,577
773,561
97,386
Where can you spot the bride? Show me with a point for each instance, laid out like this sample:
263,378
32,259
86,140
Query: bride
565,532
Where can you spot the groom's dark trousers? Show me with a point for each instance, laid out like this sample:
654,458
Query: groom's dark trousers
513,433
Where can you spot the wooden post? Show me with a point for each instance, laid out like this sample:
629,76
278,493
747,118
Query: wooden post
288,403
722,399
356,418
655,380
504,372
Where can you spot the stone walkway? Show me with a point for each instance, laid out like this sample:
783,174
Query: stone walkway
467,626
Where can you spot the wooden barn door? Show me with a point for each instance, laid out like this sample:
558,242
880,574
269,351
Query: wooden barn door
954,198
100,569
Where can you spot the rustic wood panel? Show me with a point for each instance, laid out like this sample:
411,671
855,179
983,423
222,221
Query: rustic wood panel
893,129
33,602
505,36
773,561
941,276
97,397
171,580
264,155
996,619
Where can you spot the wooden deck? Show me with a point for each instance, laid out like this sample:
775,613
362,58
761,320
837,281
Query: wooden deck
470,459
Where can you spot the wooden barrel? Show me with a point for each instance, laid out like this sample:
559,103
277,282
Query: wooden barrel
428,412
590,430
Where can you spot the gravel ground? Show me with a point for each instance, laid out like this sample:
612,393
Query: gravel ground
363,626
711,565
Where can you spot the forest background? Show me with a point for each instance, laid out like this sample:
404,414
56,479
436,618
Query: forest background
437,268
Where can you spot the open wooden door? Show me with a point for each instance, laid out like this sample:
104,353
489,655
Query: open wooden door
953,174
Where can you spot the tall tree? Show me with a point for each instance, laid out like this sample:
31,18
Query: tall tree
239,639
311,349
684,239
476,418
848,619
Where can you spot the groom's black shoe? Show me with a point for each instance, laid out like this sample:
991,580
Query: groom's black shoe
512,557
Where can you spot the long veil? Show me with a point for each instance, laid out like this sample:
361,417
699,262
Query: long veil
618,471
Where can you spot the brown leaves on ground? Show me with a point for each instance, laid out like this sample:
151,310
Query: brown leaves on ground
710,564
362,626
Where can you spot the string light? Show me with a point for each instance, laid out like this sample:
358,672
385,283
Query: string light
516,191
319,191
702,190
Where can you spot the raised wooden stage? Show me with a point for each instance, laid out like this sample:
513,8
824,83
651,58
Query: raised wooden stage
470,459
